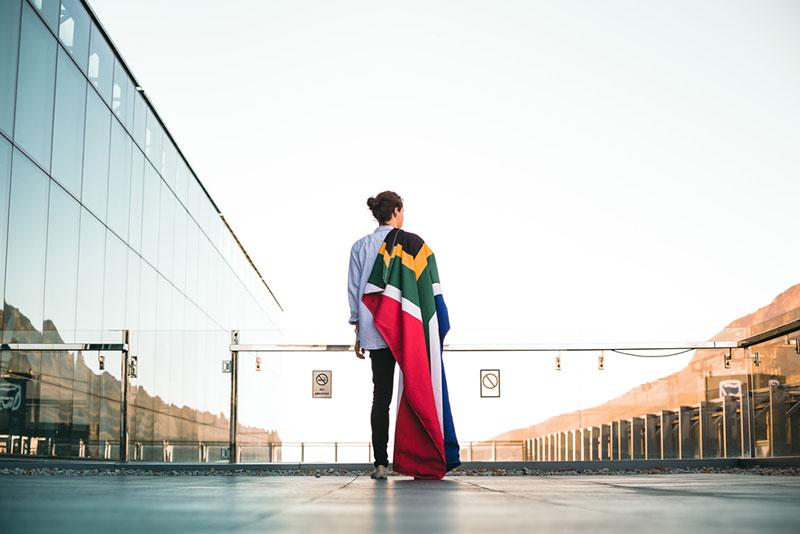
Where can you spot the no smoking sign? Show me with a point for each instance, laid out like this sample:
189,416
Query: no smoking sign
321,384
490,383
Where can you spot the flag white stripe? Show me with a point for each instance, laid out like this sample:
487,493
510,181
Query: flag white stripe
436,368
405,304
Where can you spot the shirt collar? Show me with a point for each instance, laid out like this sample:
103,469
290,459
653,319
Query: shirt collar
383,227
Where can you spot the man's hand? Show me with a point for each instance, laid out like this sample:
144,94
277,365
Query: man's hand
359,350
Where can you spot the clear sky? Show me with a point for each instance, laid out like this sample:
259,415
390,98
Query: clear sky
584,171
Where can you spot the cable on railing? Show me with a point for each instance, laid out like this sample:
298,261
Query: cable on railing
651,355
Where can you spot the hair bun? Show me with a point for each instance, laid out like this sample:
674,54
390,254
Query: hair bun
371,202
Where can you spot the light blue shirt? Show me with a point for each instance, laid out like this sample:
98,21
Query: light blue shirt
362,258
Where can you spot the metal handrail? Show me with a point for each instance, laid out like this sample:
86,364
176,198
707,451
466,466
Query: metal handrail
544,347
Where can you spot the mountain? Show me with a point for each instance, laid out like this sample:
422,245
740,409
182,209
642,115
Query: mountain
699,380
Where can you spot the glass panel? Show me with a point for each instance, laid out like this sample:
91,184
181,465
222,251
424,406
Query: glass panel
179,265
119,180
5,186
101,64
150,213
182,178
95,159
153,141
33,125
61,280
192,245
137,192
9,43
775,377
122,96
170,162
132,291
68,128
89,320
27,232
139,119
116,276
48,9
73,30
166,245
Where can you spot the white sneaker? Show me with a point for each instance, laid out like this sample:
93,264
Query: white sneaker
379,473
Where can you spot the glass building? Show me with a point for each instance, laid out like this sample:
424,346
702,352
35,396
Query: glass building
105,227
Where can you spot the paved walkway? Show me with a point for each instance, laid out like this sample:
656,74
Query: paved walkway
638,503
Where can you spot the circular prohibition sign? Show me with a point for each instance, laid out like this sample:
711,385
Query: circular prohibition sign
322,379
490,380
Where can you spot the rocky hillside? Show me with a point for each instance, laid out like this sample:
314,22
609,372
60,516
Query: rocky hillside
689,385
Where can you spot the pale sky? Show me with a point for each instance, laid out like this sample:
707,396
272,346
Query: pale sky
584,171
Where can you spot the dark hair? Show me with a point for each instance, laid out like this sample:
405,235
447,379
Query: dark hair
383,204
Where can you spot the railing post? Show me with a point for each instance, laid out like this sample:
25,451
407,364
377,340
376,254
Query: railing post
686,449
747,420
234,417
123,407
776,423
494,451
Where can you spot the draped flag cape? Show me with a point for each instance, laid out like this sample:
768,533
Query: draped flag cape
405,298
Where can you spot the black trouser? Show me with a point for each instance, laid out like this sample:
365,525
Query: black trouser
383,382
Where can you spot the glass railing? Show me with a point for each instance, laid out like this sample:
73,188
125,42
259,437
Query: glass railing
559,402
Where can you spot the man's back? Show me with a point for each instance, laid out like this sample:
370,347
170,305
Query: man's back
362,258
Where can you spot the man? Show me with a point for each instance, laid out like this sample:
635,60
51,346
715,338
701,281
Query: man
387,208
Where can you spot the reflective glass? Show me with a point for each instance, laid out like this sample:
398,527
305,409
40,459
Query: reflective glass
95,159
170,162
5,186
179,260
61,278
182,178
27,232
33,123
153,141
91,263
115,280
139,119
48,9
192,245
9,43
101,64
166,245
68,125
119,180
73,30
132,291
150,213
137,192
122,96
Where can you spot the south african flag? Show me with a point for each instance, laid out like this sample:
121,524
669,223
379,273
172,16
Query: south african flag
405,298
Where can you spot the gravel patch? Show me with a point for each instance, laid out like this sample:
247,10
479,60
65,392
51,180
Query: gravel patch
121,471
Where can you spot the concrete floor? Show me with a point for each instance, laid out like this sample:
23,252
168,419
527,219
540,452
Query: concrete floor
637,503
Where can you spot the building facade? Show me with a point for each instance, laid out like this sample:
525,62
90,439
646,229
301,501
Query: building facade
105,227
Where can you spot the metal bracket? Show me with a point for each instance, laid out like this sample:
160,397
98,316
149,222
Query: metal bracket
756,359
797,345
558,363
225,453
728,358
101,361
227,366
258,363
601,364
133,367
